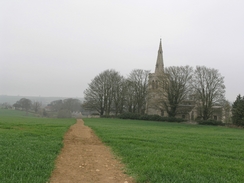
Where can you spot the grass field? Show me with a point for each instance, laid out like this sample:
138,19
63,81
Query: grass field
29,146
170,152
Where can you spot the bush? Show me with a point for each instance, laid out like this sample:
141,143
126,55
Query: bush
210,122
129,115
108,116
149,117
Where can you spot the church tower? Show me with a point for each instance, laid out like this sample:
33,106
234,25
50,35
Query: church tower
156,84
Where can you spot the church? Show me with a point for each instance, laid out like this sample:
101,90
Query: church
155,88
157,83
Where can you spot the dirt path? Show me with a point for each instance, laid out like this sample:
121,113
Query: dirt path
84,159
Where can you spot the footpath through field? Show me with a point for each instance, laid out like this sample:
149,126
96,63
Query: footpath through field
84,158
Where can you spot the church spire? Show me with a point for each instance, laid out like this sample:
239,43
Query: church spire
159,69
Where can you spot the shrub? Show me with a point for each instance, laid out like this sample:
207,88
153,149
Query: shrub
210,122
108,116
129,115
147,117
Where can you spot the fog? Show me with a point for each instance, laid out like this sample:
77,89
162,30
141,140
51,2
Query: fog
55,48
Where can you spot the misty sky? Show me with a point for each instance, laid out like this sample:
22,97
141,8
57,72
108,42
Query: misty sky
55,48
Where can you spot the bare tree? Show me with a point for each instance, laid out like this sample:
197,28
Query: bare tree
64,108
100,93
130,102
72,105
227,110
56,105
36,106
174,87
209,89
24,104
6,105
137,90
119,93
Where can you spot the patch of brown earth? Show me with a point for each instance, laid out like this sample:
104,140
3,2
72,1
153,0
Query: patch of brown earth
84,158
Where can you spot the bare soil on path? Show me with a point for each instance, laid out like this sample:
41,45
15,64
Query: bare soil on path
85,159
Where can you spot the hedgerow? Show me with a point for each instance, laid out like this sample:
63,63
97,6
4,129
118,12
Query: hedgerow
210,122
147,117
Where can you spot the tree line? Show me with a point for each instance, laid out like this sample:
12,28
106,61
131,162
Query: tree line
27,104
60,108
65,108
205,86
111,93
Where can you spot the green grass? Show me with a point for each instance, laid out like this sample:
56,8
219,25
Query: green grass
11,113
170,152
29,146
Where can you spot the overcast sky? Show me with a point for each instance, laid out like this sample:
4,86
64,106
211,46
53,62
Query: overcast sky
56,47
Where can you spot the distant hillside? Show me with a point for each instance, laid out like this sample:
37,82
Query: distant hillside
44,100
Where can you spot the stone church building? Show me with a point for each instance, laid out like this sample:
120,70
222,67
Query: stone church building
156,95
